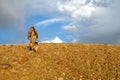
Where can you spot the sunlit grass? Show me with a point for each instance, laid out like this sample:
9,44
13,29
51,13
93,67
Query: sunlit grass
60,62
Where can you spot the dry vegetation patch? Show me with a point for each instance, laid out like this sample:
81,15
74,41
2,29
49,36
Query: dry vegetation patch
60,62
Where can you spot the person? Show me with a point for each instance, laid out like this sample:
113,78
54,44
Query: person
32,37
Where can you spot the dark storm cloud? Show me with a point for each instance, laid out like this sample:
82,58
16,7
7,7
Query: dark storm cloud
14,12
10,16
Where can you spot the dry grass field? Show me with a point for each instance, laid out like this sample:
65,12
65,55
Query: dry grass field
65,61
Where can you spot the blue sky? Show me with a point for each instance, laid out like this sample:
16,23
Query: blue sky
74,21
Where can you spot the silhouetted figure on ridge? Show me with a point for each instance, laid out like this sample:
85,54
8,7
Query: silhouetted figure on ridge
32,37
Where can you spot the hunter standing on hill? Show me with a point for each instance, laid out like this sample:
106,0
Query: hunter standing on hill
32,36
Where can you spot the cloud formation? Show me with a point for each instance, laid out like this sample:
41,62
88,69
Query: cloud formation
48,21
76,8
99,22
9,16
106,26
16,12
55,40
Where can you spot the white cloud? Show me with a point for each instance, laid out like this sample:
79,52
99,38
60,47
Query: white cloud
84,11
80,9
48,21
70,28
76,8
55,40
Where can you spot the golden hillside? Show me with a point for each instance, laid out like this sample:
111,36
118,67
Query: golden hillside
65,61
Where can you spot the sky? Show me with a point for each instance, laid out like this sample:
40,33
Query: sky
58,21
